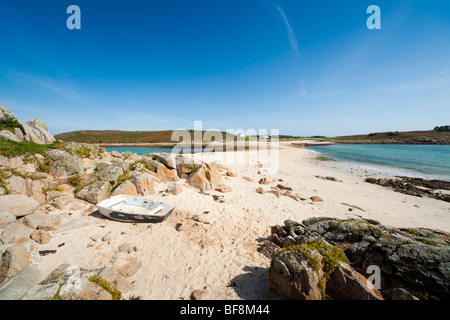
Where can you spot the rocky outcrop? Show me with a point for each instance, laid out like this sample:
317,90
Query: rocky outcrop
9,135
126,188
17,205
186,165
34,130
417,187
17,257
412,260
110,173
70,282
206,177
95,192
144,183
64,163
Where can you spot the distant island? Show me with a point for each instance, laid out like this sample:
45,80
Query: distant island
440,135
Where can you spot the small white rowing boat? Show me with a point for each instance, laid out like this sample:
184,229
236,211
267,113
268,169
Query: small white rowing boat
134,209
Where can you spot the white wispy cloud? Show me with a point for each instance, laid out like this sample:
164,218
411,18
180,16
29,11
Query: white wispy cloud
291,34
440,74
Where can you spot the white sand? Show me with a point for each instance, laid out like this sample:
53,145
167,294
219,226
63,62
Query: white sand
217,243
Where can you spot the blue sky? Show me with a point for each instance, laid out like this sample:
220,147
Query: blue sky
303,67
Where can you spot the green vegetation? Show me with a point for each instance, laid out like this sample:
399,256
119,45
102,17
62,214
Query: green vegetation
322,158
191,167
116,294
301,249
10,124
56,296
331,256
9,148
146,165
392,134
122,178
3,176
55,188
82,152
116,136
27,149
28,158
414,232
14,172
75,180
430,242
374,137
44,166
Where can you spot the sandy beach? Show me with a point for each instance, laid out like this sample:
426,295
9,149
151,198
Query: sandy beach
210,242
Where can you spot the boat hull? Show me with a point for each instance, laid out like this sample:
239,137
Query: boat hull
134,209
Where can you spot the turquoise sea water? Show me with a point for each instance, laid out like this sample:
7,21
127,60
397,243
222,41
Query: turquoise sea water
427,161
143,150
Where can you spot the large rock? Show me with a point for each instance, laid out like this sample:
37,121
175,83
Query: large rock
9,135
110,173
168,159
70,282
166,174
17,185
5,113
152,164
416,260
6,218
14,231
17,257
347,284
51,222
293,277
16,287
95,192
64,164
126,188
36,131
78,287
207,177
143,182
17,205
186,165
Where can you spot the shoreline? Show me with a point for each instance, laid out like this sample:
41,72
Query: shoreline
375,170
304,143
350,167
